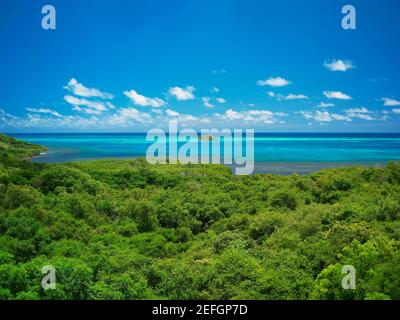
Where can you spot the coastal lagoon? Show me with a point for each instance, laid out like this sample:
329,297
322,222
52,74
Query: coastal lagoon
281,153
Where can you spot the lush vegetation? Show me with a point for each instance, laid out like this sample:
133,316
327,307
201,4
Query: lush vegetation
129,230
12,149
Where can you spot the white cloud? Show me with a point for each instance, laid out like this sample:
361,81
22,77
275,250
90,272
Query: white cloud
338,65
264,116
250,116
41,121
295,97
306,114
206,101
273,82
214,90
290,96
221,100
325,105
340,117
232,115
95,105
357,110
134,114
87,104
363,116
187,117
396,110
143,101
183,119
84,102
45,111
325,116
86,110
126,117
336,95
156,111
172,113
322,116
182,94
360,113
80,90
390,102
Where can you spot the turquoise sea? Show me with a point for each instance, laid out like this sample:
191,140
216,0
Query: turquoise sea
283,153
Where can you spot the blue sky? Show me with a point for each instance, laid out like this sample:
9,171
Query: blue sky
134,65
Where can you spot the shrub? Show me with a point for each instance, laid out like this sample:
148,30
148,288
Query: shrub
284,200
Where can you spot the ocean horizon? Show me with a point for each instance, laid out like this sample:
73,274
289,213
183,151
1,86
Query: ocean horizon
280,153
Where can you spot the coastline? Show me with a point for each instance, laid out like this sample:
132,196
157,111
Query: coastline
282,154
260,167
304,168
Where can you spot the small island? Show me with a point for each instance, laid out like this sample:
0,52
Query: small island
206,137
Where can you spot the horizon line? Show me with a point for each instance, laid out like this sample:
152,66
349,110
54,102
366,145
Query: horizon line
256,132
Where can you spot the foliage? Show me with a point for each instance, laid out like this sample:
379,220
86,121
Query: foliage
128,230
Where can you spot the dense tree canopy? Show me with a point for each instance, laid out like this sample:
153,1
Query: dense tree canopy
129,230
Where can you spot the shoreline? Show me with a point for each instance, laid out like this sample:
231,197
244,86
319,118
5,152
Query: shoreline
283,154
260,167
303,168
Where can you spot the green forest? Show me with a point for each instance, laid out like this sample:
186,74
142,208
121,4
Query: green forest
125,229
